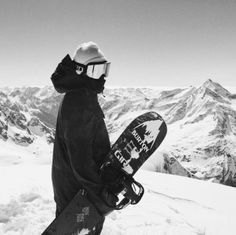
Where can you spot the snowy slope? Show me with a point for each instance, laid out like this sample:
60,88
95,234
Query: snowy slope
172,205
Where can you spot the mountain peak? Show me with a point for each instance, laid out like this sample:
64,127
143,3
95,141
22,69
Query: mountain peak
209,83
215,87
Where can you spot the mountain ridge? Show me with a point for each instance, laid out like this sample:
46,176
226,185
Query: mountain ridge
201,124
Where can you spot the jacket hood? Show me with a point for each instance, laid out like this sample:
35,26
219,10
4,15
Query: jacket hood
65,78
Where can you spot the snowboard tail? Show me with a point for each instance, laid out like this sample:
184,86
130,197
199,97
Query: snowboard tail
79,217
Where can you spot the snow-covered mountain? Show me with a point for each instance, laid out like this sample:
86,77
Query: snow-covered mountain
201,127
28,113
201,139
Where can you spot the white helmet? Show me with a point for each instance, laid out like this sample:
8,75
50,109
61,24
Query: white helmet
88,53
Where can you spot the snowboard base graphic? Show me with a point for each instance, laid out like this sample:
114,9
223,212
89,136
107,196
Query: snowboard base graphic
133,147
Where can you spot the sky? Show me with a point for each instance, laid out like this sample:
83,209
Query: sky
149,43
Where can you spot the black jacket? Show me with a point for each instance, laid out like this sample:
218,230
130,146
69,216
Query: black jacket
81,140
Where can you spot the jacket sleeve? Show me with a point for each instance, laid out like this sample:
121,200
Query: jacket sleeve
65,77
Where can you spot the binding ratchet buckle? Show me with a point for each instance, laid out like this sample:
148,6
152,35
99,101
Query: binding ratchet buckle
122,185
132,193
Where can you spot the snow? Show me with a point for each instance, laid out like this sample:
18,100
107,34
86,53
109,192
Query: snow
25,199
38,153
191,133
171,205
177,205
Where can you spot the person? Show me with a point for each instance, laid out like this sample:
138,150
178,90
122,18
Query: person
81,138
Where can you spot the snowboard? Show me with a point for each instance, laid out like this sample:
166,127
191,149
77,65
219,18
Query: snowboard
133,147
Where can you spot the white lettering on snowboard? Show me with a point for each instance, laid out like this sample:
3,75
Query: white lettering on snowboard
81,216
119,156
151,131
132,151
129,147
140,141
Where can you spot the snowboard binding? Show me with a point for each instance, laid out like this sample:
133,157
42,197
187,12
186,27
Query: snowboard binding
122,185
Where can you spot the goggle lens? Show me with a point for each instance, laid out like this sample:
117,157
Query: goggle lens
97,70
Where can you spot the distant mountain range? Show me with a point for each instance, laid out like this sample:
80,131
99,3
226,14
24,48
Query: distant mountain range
201,139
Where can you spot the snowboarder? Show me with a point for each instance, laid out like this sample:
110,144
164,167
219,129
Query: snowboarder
81,139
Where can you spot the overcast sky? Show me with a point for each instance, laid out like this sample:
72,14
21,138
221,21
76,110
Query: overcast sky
149,43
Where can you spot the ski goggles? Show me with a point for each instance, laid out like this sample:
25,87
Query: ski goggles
93,70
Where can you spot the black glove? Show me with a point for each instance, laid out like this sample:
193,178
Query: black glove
108,197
